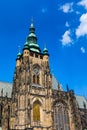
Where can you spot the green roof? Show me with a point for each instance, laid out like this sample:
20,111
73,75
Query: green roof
18,55
26,46
7,88
32,35
45,51
35,50
32,40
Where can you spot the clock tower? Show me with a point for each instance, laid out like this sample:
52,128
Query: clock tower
32,93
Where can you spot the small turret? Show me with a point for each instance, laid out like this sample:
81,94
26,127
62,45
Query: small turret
45,51
46,57
46,54
26,49
59,88
18,58
2,92
18,55
6,94
67,88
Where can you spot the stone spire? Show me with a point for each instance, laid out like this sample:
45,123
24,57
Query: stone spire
67,88
2,92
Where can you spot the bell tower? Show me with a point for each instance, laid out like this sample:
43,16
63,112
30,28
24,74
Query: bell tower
32,92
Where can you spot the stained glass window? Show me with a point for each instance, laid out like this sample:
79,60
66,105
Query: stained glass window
61,117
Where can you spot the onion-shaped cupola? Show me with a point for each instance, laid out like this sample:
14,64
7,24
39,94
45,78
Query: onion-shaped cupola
32,40
18,59
18,55
45,51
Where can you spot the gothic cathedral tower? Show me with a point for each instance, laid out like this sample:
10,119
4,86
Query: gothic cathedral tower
32,92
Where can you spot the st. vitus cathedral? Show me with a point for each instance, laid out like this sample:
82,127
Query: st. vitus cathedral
33,102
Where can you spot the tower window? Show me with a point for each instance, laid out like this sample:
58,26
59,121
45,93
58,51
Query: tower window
36,55
31,54
36,79
41,57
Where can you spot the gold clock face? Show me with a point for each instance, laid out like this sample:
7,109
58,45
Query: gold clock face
36,71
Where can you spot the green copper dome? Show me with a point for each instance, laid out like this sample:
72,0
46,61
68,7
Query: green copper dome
45,51
32,40
18,55
34,47
32,35
26,46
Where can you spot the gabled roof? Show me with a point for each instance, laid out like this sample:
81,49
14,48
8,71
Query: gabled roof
81,102
7,88
55,83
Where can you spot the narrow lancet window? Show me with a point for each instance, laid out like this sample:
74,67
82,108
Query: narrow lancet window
61,117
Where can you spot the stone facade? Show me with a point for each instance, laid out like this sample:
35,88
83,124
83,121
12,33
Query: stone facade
34,104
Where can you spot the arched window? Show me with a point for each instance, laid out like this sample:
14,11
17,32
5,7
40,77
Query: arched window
36,79
61,117
36,111
33,78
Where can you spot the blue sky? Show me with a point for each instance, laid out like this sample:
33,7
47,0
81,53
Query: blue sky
62,26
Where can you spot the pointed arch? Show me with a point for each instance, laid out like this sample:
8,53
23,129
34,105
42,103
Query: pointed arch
36,110
36,74
36,66
61,116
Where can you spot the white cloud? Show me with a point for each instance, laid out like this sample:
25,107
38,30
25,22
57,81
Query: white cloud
44,10
66,39
67,24
82,49
82,28
83,3
77,12
67,8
